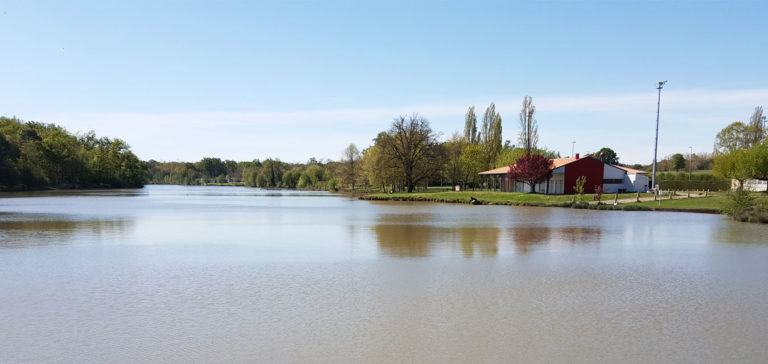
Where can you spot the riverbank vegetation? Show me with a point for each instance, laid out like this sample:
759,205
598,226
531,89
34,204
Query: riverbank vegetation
35,155
741,154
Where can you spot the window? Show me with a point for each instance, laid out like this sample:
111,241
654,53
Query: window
616,181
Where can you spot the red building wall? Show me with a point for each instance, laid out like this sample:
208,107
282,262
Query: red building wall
586,166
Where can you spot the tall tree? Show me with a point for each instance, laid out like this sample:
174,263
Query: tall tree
731,138
529,128
531,169
350,159
756,133
470,126
453,170
490,135
606,155
411,144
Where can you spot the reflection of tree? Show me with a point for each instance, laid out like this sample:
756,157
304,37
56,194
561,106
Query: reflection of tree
580,234
485,239
403,240
527,236
17,230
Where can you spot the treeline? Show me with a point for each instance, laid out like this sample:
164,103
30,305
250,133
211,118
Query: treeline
271,173
36,155
405,157
409,155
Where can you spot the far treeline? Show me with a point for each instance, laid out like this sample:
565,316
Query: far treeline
405,157
35,155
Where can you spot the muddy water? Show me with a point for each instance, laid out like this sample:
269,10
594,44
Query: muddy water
225,274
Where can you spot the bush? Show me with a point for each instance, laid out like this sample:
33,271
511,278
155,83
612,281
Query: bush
752,214
580,205
738,200
333,185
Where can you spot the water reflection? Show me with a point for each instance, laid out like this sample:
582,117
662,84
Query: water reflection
527,238
402,235
404,240
485,240
741,233
29,230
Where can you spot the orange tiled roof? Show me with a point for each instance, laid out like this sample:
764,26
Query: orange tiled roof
556,163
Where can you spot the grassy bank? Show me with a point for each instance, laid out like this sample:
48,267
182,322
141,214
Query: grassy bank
711,204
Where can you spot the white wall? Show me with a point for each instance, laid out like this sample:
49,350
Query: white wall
639,182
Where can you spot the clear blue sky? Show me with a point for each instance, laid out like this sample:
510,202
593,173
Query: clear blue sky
180,80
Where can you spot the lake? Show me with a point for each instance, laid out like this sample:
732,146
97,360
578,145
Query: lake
172,274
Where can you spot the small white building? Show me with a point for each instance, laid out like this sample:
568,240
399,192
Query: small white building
754,185
632,180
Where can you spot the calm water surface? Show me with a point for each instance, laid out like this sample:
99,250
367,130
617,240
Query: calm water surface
225,274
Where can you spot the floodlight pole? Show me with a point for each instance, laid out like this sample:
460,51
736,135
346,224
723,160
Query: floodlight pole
690,163
656,143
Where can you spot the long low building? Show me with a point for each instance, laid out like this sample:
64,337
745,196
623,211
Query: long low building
566,171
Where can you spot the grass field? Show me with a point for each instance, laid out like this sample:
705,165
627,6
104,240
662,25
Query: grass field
712,203
493,197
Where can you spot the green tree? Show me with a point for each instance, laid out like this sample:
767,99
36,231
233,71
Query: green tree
678,162
470,126
472,163
270,174
350,165
212,167
608,155
509,156
411,144
490,135
731,138
453,169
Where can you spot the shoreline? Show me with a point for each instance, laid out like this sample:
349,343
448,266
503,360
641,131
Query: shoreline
578,205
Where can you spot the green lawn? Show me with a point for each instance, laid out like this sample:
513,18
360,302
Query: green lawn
494,197
713,202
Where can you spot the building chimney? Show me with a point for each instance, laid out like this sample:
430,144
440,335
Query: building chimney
577,156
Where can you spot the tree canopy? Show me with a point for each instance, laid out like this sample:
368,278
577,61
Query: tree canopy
36,155
608,155
412,146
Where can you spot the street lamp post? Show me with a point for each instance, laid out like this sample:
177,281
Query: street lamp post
656,143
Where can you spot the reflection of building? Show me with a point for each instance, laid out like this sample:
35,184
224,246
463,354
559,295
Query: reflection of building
565,171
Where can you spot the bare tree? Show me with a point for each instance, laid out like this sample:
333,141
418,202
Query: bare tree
529,128
412,145
755,132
